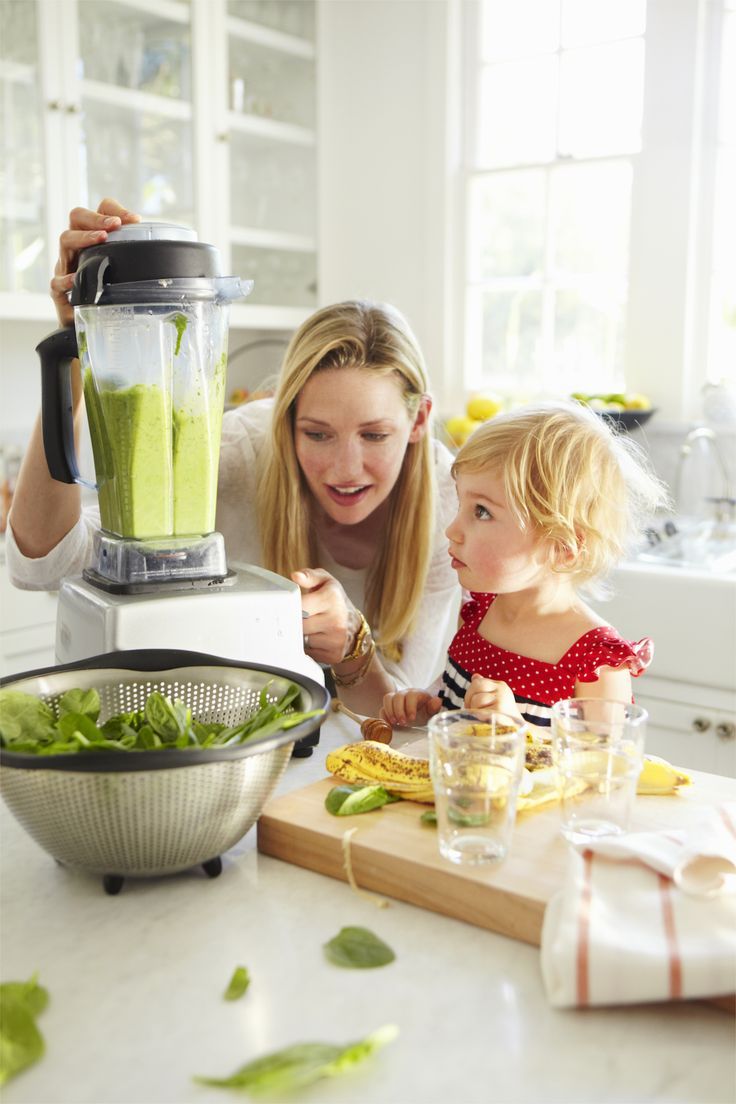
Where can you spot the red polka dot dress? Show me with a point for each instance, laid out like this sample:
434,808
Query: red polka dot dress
537,685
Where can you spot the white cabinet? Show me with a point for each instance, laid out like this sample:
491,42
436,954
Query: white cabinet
201,112
27,627
690,689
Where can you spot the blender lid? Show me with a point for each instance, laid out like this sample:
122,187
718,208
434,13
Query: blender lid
152,231
152,262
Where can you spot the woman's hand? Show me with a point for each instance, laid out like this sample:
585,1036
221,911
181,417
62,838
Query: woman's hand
404,706
330,622
485,693
85,228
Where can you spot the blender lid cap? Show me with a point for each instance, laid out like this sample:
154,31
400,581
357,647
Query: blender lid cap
152,231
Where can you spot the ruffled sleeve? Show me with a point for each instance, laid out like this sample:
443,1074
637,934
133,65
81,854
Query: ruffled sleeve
605,648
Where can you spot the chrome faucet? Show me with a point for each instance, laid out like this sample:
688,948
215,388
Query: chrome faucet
705,434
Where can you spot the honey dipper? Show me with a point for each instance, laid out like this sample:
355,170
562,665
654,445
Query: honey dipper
371,728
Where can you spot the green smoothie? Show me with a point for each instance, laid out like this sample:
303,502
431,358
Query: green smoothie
131,442
156,468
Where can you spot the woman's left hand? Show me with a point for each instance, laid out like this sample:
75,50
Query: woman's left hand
331,621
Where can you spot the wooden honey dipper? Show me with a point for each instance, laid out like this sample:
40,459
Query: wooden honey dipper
371,728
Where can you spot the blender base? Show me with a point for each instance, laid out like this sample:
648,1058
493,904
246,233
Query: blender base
163,585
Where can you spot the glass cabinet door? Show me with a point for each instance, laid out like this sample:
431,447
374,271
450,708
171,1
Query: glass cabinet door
136,106
272,157
23,254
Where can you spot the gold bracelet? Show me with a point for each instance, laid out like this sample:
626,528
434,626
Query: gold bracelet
356,677
362,642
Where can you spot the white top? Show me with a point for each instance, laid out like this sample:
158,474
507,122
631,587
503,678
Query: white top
244,434
474,1023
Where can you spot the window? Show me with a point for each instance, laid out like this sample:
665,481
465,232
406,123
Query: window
585,226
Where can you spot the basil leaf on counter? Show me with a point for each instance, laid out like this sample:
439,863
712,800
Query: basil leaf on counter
239,982
296,1066
21,1043
358,949
429,817
350,800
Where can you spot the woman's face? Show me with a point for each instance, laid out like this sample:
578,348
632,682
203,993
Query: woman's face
351,429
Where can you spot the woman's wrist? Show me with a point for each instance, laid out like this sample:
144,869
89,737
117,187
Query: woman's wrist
360,641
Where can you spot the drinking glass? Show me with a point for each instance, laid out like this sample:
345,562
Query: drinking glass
597,748
476,762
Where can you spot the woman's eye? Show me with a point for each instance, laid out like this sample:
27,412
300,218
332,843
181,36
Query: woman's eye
481,513
375,436
315,435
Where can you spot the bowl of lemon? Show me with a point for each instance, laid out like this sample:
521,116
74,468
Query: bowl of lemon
624,409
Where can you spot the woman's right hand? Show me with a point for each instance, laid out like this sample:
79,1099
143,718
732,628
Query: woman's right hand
85,228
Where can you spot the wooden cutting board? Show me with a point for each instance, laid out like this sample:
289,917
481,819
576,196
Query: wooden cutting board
393,853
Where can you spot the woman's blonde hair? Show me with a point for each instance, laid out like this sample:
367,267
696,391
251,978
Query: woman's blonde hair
373,337
584,487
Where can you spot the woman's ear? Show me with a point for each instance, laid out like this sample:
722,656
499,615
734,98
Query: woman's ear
421,419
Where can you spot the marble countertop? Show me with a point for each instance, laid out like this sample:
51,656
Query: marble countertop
136,985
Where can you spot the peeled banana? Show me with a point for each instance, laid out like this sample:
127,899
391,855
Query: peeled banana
369,762
660,777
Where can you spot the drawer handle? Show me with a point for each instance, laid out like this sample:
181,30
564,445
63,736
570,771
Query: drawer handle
726,730
701,724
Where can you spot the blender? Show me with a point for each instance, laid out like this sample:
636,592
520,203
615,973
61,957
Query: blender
151,324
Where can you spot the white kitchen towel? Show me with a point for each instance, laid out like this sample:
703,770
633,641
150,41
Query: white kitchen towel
646,916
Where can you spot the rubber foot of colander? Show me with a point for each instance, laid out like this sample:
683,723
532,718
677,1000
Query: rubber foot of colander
112,883
213,867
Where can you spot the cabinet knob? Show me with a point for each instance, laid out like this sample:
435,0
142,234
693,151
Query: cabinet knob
223,136
701,724
72,109
54,105
726,730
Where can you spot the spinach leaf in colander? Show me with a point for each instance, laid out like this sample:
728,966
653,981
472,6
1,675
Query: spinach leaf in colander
31,726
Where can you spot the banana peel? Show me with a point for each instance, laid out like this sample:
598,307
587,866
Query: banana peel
369,763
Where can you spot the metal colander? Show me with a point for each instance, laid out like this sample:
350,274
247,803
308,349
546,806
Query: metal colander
153,812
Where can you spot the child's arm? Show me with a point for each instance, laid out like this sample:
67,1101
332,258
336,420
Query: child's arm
485,693
404,707
613,684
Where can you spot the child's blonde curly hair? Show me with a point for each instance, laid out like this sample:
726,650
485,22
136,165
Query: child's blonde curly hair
585,488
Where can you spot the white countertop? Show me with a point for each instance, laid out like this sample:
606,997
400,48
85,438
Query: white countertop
136,985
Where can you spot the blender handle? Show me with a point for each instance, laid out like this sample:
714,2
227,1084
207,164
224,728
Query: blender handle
57,351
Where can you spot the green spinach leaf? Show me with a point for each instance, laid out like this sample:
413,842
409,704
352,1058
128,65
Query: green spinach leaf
350,800
296,1066
21,1043
239,982
23,717
358,949
80,701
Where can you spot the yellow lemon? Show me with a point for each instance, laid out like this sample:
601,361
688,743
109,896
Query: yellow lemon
635,401
460,427
483,407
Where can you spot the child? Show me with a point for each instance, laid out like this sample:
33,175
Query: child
548,499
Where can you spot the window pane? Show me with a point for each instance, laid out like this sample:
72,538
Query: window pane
507,212
727,113
131,48
601,97
281,277
587,21
519,28
143,157
588,347
509,324
517,112
590,218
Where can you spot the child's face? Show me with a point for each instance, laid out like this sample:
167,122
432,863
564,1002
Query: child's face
490,551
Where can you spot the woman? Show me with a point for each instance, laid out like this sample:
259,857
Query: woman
336,482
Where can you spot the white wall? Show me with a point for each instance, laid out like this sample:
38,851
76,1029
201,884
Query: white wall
384,184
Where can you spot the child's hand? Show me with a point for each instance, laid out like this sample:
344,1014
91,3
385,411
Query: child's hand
405,706
485,693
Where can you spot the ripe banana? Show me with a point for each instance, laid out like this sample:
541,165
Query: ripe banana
660,777
369,763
